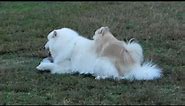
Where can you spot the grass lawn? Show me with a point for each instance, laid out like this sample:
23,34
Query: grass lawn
158,26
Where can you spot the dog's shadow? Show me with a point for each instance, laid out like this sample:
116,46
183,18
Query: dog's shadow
73,74
42,72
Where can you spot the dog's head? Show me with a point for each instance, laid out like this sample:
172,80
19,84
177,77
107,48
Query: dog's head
101,32
51,37
57,40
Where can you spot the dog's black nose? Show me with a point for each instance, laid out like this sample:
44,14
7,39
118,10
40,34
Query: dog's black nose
47,49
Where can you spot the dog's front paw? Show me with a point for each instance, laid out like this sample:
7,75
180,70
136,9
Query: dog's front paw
40,67
100,77
97,78
47,60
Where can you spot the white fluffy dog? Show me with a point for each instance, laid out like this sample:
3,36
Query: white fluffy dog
73,53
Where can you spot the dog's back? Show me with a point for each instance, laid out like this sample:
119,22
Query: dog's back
121,54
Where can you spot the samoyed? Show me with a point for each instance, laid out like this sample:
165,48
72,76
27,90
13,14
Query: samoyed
71,53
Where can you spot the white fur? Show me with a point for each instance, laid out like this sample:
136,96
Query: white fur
145,71
74,53
136,51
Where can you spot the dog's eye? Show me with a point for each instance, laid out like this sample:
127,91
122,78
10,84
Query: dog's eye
101,31
54,34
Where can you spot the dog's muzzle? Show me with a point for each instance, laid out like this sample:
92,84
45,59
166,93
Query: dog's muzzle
49,54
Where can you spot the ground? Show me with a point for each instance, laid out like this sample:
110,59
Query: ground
158,26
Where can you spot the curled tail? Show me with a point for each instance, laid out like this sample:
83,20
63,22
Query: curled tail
135,50
146,71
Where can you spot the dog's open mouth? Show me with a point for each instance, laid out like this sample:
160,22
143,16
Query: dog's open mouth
50,57
49,54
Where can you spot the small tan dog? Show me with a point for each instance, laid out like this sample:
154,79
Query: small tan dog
123,56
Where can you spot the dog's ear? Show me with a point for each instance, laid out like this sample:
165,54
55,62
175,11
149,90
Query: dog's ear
54,33
103,30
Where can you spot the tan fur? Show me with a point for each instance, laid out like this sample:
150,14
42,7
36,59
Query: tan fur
107,45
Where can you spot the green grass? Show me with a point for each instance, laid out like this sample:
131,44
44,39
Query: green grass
158,26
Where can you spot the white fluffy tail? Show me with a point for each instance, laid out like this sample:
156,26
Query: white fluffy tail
146,71
135,50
